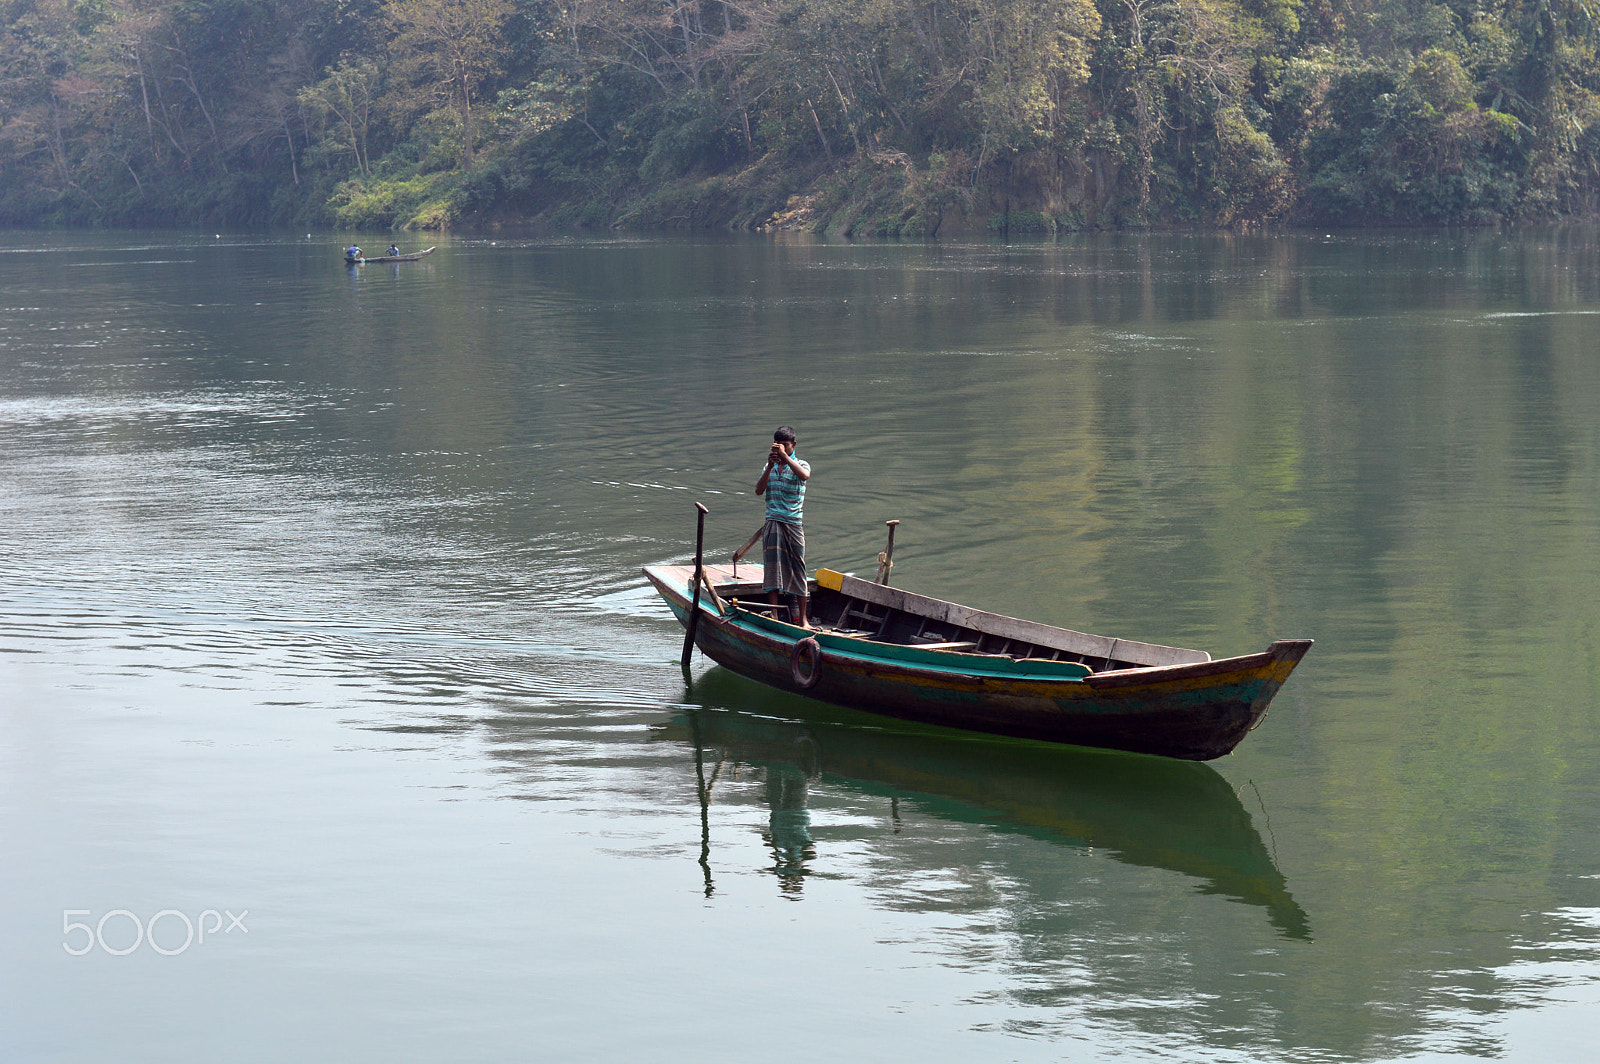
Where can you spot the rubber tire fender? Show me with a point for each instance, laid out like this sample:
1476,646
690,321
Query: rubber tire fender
804,679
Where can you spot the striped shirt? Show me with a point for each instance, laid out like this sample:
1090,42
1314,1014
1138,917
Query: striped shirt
786,493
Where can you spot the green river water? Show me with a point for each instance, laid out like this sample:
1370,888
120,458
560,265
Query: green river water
337,722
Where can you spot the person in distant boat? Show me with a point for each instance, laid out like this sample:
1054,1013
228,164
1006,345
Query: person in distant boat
352,253
783,557
394,249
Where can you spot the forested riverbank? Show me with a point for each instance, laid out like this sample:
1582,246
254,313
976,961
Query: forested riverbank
890,117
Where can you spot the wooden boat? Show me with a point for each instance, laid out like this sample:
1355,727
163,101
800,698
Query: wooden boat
887,651
412,257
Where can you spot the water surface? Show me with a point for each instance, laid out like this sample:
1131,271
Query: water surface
319,603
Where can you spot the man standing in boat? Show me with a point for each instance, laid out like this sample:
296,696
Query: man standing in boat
783,557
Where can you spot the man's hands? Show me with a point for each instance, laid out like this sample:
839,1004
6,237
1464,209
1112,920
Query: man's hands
781,453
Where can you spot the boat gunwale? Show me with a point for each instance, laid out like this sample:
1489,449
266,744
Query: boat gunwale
960,663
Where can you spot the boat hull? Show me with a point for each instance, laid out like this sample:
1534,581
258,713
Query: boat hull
411,257
1195,712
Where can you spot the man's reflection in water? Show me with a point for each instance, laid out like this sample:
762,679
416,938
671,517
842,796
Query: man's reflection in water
789,826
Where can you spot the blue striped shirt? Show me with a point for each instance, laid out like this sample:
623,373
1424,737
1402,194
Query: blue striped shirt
786,493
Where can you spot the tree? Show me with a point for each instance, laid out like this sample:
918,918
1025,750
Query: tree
49,94
1178,72
344,99
1028,52
459,41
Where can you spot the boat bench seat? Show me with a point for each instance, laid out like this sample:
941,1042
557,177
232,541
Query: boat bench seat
961,646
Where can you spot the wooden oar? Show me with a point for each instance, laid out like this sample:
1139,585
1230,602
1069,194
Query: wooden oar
711,589
699,573
742,551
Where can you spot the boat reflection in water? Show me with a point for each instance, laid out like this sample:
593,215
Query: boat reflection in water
1140,810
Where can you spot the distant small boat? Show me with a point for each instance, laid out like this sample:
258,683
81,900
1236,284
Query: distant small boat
415,255
887,651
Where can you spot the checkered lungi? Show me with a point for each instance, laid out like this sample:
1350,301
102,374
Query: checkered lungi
783,558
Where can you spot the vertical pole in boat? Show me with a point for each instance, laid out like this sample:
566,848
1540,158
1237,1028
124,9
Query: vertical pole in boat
694,605
886,559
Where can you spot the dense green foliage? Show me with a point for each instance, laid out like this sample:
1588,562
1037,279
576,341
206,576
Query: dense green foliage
866,116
